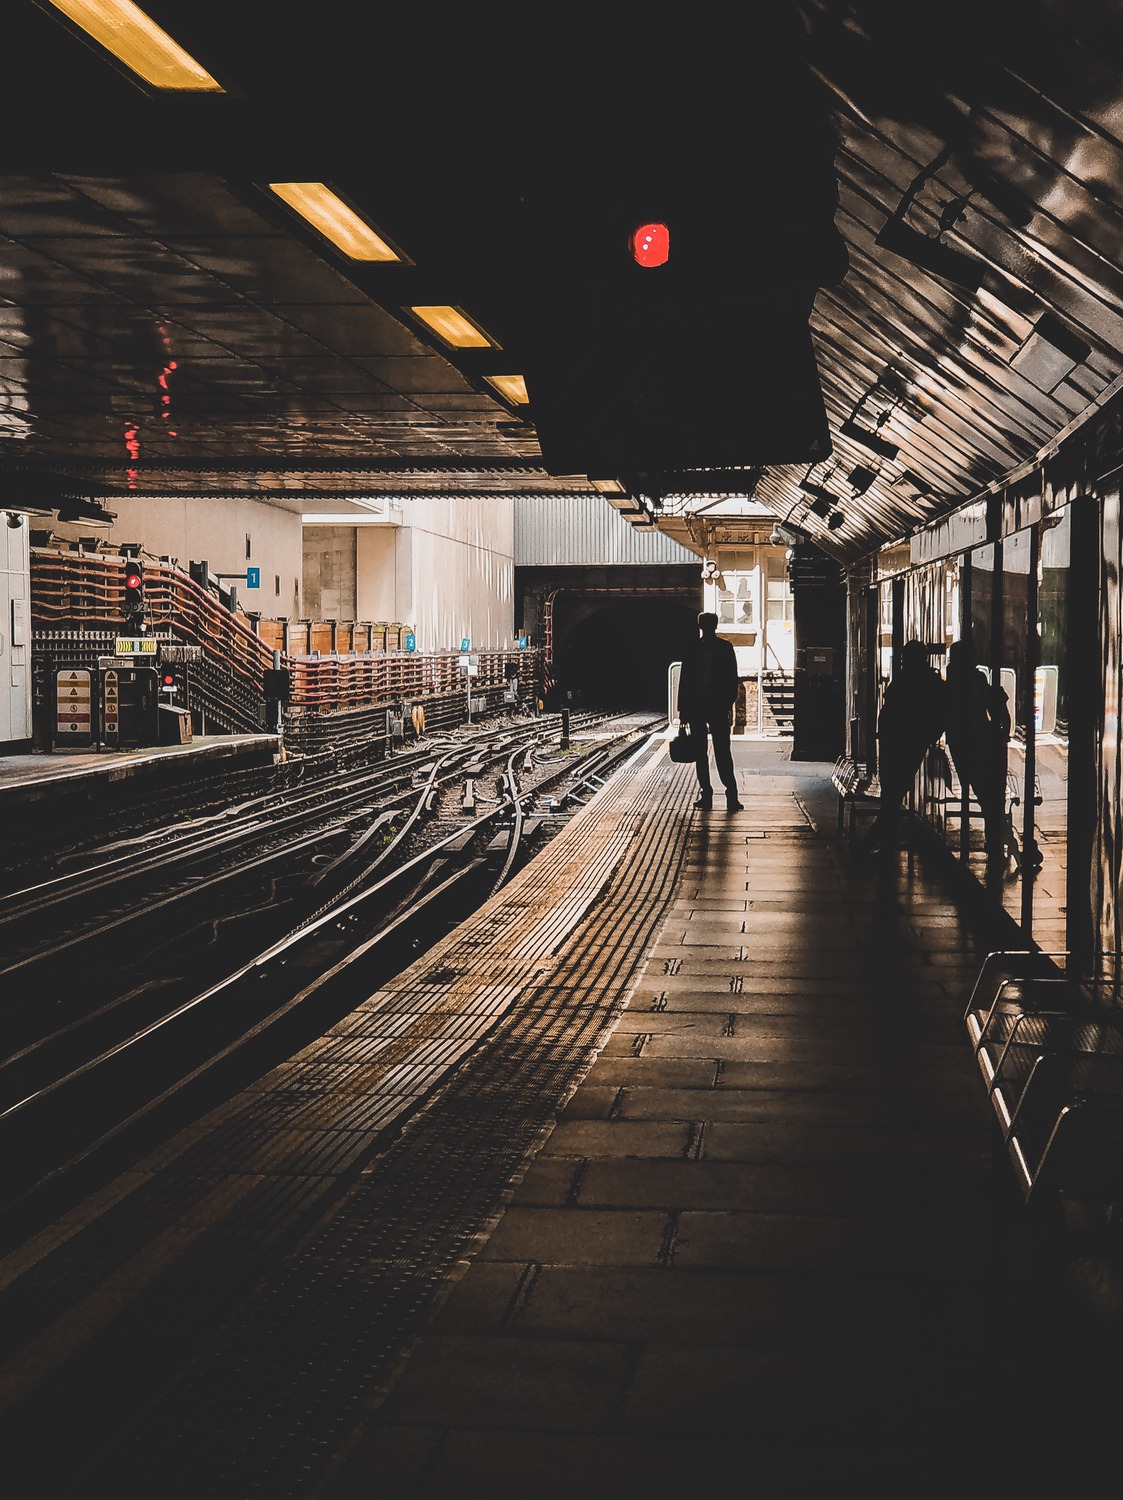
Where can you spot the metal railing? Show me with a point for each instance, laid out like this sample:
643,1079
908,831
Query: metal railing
76,591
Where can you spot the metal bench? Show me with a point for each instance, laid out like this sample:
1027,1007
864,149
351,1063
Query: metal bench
857,792
1051,1057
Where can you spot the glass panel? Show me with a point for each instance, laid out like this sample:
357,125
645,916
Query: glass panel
1051,719
932,617
1017,551
982,594
974,760
952,587
884,637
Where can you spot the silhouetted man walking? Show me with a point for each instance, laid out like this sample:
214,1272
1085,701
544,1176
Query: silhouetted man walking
707,690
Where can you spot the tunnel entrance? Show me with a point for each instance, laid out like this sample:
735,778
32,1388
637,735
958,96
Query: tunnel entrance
614,654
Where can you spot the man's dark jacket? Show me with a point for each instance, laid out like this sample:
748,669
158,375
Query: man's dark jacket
698,702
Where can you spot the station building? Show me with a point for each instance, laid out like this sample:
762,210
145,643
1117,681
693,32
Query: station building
410,1085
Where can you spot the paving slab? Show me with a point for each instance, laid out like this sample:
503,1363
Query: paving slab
768,1227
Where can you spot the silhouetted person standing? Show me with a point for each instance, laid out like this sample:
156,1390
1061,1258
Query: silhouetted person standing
912,718
707,690
978,735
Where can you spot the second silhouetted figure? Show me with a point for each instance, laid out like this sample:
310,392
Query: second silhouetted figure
912,718
707,691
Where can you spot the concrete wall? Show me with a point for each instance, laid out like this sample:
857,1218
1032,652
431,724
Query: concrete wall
448,570
376,582
213,531
329,573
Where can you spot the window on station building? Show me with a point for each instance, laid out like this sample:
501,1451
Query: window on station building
779,601
738,594
736,603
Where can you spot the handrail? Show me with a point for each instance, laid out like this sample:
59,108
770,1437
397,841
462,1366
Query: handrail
779,667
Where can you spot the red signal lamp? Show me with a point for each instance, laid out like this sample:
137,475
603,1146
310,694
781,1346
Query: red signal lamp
132,580
650,245
169,679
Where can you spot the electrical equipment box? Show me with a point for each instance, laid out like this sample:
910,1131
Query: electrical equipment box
15,629
129,702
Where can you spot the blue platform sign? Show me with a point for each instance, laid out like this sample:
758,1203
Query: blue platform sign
411,641
522,642
253,578
466,643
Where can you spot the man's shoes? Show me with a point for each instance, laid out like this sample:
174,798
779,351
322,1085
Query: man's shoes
704,802
732,804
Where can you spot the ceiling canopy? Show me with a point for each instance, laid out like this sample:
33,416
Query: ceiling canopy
340,260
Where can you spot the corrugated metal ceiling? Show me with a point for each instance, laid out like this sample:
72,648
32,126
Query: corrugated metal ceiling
141,258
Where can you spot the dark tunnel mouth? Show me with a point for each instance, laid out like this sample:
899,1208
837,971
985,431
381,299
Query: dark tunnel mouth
618,655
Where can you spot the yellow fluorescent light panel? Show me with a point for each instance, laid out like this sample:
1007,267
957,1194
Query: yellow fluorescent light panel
511,386
123,29
328,213
455,327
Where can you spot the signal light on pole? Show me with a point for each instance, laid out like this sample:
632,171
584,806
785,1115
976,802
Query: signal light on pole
277,685
650,245
134,590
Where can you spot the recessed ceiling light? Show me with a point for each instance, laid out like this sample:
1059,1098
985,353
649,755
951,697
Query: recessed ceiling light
335,220
511,386
134,39
454,327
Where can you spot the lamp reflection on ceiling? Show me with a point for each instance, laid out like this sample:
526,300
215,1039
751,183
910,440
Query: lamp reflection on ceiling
132,448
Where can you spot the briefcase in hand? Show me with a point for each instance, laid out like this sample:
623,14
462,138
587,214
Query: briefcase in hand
683,747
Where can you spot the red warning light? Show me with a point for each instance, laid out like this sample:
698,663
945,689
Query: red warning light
651,245
169,679
132,581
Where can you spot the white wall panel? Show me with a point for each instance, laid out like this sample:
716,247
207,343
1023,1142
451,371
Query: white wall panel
585,531
15,629
462,570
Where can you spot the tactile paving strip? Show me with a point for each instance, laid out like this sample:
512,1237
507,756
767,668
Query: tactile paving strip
555,951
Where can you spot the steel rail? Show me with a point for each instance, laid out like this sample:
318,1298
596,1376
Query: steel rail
58,1097
29,1057
35,901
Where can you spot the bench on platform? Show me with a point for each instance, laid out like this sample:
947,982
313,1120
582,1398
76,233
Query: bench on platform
857,792
1050,1054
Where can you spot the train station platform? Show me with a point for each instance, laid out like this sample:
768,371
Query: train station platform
50,801
669,1171
36,775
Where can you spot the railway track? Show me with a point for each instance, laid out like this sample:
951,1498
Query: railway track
85,1091
92,913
